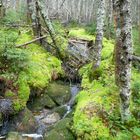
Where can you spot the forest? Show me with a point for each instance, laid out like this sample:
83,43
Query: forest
70,69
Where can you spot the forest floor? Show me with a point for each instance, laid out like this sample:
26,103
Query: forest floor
96,114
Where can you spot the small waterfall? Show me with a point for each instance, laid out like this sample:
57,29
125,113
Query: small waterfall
74,90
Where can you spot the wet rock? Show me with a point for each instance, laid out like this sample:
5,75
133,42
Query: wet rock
51,119
14,136
32,137
54,135
18,136
24,122
6,107
40,102
59,92
1,119
61,110
61,131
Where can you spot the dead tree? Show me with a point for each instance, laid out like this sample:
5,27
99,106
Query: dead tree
49,28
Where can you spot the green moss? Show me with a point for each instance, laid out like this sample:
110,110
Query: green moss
108,48
81,34
9,94
31,66
93,107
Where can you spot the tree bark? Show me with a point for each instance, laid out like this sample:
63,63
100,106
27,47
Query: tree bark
29,13
124,55
2,9
99,33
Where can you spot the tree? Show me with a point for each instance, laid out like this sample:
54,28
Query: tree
2,9
99,33
123,55
29,13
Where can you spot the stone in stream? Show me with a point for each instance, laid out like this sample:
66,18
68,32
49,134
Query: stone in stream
41,102
61,110
18,136
24,122
59,92
61,131
51,118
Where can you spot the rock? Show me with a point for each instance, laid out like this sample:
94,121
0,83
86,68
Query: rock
59,92
18,136
40,102
51,119
32,137
61,131
24,122
54,135
14,136
6,107
61,110
1,119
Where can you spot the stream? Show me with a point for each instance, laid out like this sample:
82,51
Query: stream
47,118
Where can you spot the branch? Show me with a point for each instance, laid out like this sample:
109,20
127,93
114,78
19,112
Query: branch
32,41
135,58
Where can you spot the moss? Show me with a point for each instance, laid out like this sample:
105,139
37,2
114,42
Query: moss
37,72
108,48
81,34
61,131
92,109
97,114
9,94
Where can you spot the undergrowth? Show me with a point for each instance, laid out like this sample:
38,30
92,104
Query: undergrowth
25,67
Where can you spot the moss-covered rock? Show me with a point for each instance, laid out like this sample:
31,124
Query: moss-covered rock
61,131
59,92
40,102
26,67
24,121
13,136
61,110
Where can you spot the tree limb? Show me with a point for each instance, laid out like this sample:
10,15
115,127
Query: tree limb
135,58
32,41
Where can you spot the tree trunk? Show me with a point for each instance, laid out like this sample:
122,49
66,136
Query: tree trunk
2,9
29,13
99,33
124,55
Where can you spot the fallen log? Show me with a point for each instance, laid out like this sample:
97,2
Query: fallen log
32,41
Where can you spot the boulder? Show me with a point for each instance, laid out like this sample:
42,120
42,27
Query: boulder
24,121
40,102
51,119
61,110
14,136
60,131
59,92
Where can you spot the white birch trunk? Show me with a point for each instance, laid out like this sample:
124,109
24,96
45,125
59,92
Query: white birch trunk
99,33
124,56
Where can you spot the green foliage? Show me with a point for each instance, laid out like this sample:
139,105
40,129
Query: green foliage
136,41
108,48
91,29
81,34
24,68
14,16
16,58
100,99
